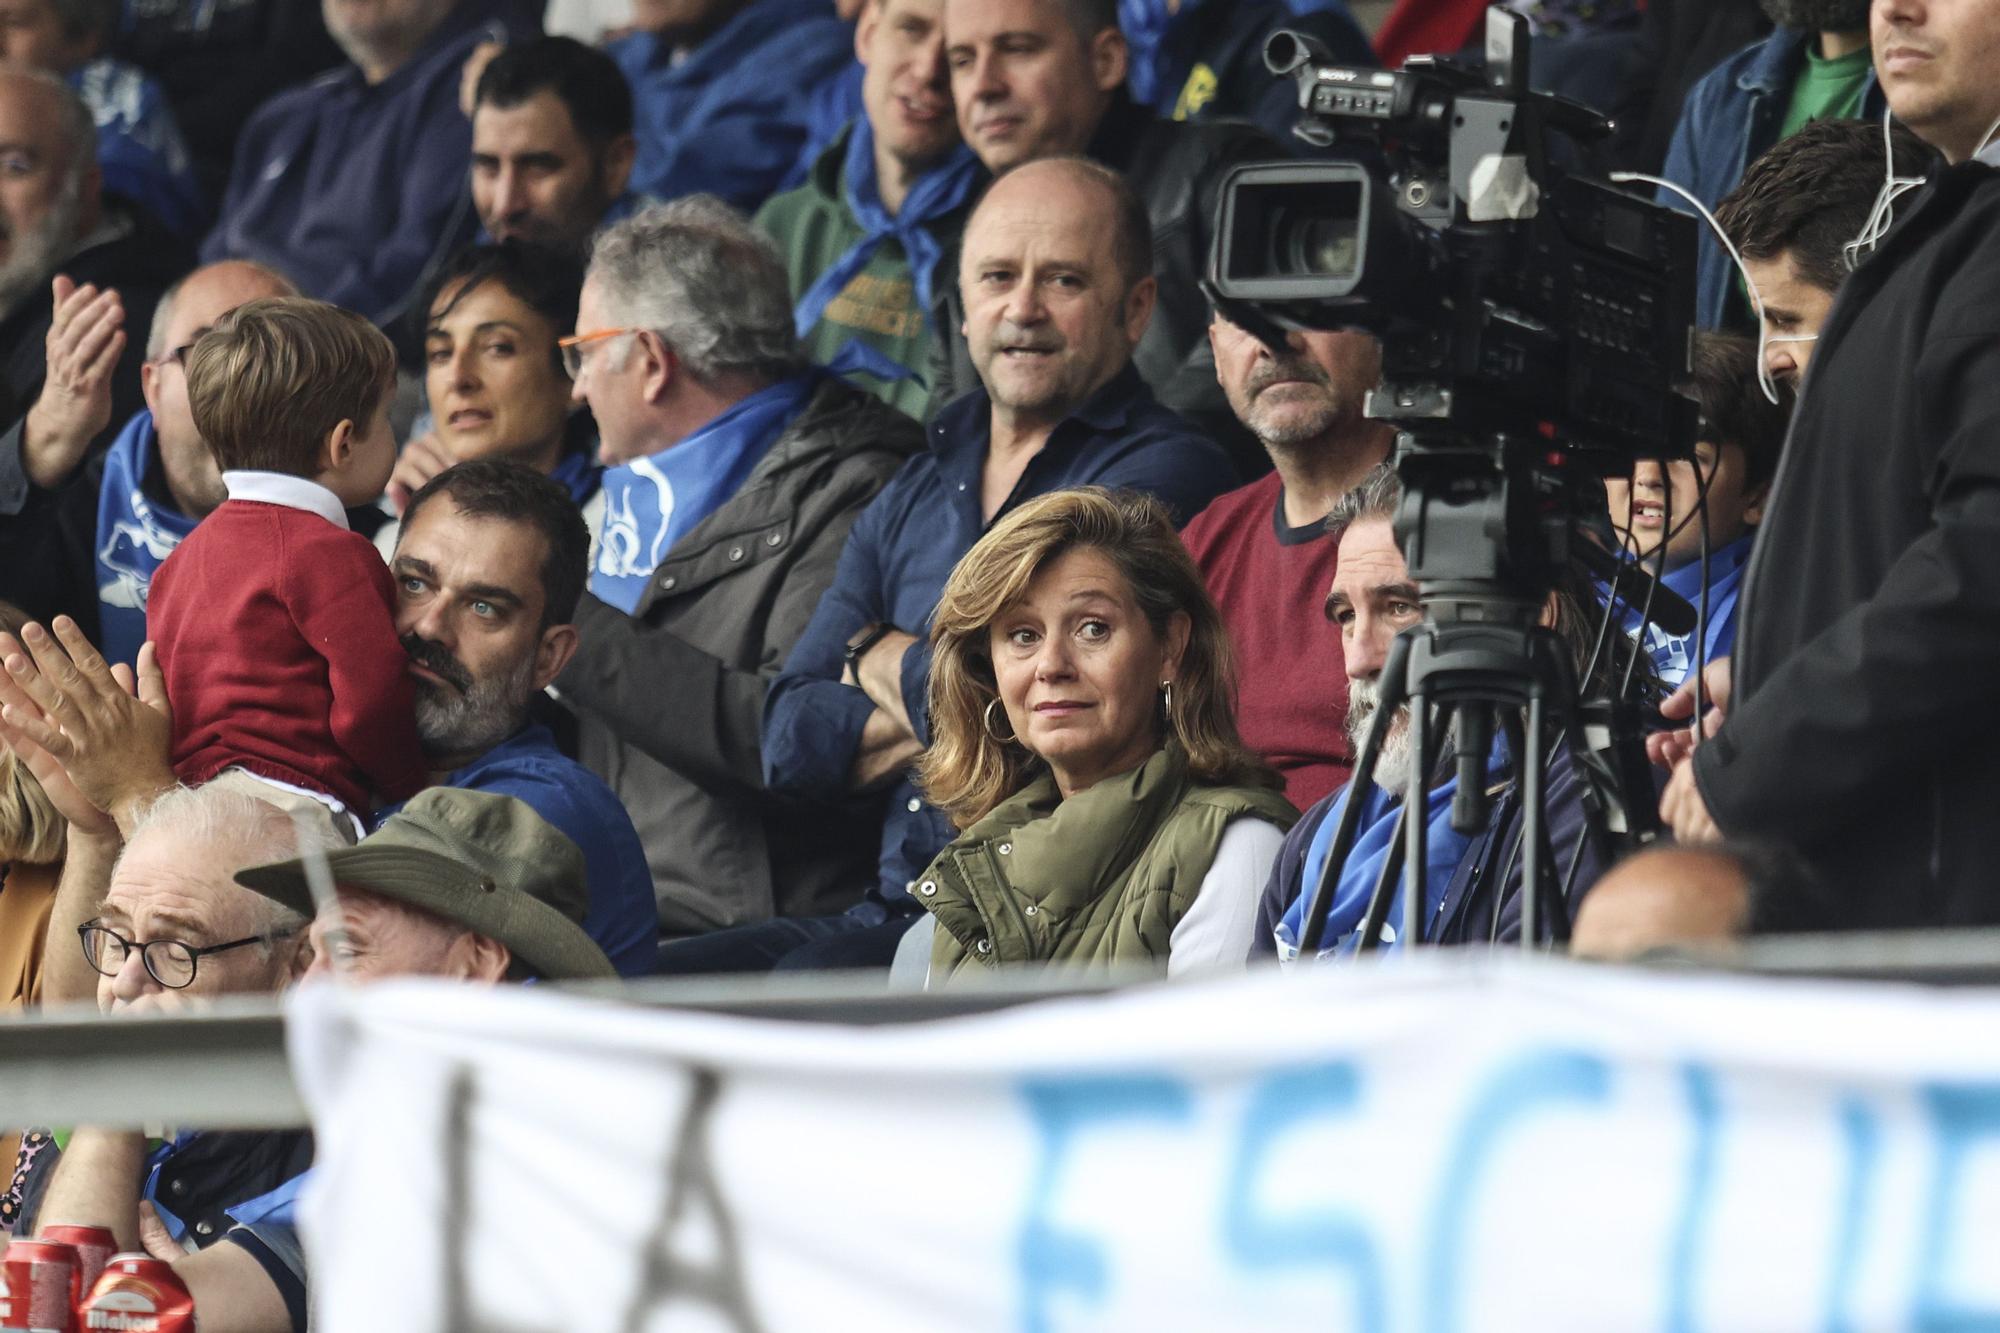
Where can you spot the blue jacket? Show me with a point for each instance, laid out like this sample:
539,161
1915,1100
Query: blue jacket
528,767
1730,118
139,146
902,550
731,117
354,190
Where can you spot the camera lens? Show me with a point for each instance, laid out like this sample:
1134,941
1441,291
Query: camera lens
1318,245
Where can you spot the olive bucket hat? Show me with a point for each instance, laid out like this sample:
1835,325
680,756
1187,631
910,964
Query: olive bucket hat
477,859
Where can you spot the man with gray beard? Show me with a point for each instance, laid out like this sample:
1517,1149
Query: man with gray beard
489,565
1265,550
1472,885
1815,66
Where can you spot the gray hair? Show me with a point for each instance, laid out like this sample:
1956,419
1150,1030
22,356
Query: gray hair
163,313
712,286
251,831
73,118
1379,495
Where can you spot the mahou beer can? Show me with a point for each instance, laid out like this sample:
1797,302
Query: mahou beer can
43,1283
138,1294
94,1248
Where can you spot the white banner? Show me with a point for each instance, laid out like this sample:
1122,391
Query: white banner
1437,1145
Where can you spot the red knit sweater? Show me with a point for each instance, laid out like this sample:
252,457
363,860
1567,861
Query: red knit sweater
274,630
1291,675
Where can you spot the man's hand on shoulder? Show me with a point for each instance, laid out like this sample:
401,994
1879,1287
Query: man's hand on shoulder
86,338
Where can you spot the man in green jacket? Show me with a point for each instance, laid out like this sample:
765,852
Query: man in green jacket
867,234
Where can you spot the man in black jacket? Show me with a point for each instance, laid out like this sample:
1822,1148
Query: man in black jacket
735,470
1864,722
1046,78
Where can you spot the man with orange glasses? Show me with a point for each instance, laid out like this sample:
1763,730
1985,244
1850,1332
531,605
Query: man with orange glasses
733,472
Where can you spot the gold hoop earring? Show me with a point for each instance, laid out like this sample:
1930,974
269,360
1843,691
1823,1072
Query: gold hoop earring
1008,739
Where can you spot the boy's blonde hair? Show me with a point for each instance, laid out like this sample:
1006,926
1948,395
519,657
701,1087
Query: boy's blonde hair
268,384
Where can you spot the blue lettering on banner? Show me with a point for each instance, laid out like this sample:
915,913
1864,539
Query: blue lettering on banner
1052,1259
1962,1115
1536,1080
1698,1085
1861,1133
1330,1238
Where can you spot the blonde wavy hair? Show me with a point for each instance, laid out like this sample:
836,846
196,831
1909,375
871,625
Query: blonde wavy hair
966,772
31,832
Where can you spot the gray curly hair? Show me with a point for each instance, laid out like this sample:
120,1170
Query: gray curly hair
711,285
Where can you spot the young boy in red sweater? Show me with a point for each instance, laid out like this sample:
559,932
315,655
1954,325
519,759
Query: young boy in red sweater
272,621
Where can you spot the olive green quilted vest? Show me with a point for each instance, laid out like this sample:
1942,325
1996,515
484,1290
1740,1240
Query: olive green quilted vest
1097,880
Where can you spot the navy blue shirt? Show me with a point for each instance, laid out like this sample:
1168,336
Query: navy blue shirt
527,766
899,555
352,190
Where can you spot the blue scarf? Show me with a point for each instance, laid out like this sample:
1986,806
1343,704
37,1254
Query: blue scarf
653,502
936,194
1673,654
135,534
1443,850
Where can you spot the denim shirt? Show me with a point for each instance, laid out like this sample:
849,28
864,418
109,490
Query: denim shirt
901,551
622,918
1731,117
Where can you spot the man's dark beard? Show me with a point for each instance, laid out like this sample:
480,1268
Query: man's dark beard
480,715
1818,15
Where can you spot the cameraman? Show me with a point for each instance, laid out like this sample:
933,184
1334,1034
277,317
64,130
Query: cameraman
1864,721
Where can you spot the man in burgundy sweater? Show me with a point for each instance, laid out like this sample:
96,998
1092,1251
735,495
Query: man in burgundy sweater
272,621
1264,548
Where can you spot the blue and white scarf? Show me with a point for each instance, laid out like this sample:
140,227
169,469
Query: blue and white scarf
652,502
135,535
936,195
1444,848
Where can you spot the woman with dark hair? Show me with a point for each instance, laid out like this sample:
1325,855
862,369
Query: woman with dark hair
1084,739
493,375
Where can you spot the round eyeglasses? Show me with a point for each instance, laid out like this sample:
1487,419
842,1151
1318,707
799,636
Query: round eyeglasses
172,963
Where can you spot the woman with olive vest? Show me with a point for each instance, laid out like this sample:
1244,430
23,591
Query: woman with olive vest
1084,740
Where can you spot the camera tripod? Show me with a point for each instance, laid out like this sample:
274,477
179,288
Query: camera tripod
1480,663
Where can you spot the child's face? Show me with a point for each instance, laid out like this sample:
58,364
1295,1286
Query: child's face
369,462
1642,505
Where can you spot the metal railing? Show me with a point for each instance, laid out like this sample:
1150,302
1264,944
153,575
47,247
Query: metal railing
224,1067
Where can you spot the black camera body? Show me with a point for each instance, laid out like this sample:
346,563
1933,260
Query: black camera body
1512,297
1537,324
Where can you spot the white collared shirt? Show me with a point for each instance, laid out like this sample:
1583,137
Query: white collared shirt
279,488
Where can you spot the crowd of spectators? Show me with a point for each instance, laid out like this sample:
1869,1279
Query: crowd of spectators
765,488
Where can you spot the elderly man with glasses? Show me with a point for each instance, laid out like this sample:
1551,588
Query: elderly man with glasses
175,929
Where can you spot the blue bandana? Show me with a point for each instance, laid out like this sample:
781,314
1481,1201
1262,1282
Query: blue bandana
653,502
1443,850
1673,654
135,534
936,194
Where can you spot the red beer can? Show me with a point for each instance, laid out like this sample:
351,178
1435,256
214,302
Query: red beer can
137,1293
43,1284
94,1248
